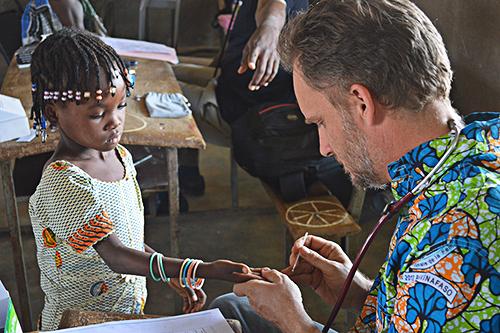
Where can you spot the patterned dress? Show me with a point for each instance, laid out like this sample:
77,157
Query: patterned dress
70,212
442,270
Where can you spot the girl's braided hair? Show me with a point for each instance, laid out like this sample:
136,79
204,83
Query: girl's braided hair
72,60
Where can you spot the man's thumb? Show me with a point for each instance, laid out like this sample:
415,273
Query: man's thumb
270,275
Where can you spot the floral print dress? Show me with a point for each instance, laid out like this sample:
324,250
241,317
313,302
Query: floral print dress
441,273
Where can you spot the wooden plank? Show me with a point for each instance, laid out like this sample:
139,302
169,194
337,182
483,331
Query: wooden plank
173,200
347,226
9,213
140,129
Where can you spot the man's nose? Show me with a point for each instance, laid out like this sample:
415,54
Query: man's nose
324,147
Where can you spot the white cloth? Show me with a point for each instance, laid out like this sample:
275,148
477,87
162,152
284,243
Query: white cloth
167,105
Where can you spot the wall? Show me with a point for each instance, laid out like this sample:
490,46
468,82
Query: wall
195,19
471,32
121,17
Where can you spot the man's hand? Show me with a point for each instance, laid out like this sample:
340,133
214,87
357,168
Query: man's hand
261,56
278,300
193,300
324,267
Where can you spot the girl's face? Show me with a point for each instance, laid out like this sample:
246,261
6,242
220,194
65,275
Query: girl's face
93,125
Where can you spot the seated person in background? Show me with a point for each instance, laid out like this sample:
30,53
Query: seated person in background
250,74
86,213
43,17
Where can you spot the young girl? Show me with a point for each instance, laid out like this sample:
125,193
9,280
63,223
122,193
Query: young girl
87,212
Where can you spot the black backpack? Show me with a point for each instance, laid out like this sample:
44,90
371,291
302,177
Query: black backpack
272,142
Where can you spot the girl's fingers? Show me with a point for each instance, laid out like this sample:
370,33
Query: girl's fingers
256,271
240,277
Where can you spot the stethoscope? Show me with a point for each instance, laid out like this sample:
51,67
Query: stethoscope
389,211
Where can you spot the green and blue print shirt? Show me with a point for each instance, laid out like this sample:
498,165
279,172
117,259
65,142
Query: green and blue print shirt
441,273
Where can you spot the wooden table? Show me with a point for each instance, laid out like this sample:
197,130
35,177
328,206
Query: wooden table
140,129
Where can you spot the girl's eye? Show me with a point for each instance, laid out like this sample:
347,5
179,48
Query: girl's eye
97,116
122,106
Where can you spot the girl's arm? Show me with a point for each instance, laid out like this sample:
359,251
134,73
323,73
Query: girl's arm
148,248
69,12
124,260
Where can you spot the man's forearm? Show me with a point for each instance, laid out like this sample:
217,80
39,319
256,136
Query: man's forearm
271,13
295,319
304,328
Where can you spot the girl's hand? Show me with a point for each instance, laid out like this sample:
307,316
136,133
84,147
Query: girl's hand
230,271
193,300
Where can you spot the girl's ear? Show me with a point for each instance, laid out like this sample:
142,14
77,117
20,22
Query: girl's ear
50,113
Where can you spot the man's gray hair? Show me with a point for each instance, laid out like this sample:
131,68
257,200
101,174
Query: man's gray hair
389,46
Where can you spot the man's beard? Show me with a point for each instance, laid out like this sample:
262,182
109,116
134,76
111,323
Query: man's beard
357,162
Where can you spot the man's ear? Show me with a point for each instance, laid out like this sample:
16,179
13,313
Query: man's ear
363,102
50,113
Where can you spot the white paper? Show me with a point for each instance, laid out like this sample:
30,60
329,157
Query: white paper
142,49
13,120
4,304
210,321
28,138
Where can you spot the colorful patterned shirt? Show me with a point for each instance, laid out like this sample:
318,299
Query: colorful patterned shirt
40,19
70,212
441,273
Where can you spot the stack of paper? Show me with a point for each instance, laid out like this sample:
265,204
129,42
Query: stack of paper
13,121
140,49
210,321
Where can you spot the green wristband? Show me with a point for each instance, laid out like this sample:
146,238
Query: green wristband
162,272
151,270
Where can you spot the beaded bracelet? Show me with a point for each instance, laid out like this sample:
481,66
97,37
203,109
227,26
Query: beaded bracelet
151,270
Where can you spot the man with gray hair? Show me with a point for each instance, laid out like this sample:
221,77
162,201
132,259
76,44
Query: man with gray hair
375,77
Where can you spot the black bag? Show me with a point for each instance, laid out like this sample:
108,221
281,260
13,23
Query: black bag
273,142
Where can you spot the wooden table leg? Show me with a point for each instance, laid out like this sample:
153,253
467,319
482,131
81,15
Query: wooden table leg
8,209
173,199
287,245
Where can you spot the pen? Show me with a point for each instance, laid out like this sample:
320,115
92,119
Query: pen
298,255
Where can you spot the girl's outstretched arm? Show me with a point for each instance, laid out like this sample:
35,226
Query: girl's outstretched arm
124,260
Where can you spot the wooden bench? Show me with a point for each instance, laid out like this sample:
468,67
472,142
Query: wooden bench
319,214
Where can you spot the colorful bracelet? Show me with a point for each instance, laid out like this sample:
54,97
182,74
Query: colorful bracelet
187,274
181,272
151,270
198,284
161,269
